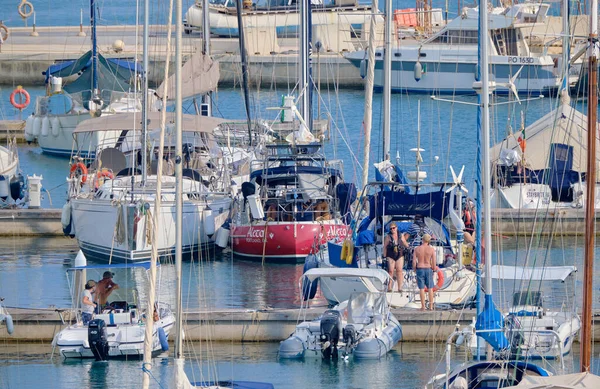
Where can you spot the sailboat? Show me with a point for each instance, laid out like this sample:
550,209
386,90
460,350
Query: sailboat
180,379
489,324
103,86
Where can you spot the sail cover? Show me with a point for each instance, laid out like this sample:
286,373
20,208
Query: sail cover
113,74
563,381
200,74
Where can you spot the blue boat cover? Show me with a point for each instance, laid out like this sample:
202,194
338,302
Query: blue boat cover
399,177
144,265
431,204
294,170
490,319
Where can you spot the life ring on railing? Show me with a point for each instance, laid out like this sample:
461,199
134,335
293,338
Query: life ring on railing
79,170
3,33
20,91
440,281
100,176
25,9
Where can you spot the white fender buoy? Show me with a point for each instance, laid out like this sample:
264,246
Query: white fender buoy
4,187
45,126
55,122
65,217
80,259
29,125
222,236
363,68
418,71
10,327
209,222
37,126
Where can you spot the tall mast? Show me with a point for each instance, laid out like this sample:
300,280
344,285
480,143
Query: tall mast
145,92
368,115
94,50
206,98
566,55
178,178
588,267
244,58
303,59
387,79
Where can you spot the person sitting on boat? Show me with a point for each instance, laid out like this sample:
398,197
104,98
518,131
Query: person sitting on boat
418,229
322,210
104,288
394,247
424,265
271,207
87,302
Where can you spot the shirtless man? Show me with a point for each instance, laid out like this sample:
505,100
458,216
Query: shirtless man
424,265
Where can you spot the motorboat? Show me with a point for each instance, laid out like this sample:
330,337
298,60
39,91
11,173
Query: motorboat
545,170
294,198
281,15
119,330
537,331
446,63
361,327
110,206
15,189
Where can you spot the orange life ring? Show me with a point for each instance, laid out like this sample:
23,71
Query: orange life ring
79,170
440,281
101,175
22,92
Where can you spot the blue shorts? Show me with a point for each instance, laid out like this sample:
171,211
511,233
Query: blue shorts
425,278
85,318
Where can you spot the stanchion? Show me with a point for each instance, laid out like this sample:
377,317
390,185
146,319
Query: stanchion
81,33
34,32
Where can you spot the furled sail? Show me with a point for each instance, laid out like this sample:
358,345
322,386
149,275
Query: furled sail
200,74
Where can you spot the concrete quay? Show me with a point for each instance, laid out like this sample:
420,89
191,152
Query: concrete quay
23,58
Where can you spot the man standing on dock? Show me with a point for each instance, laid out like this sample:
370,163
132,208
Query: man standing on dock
424,265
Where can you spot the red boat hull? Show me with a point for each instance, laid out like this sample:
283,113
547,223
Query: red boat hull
285,241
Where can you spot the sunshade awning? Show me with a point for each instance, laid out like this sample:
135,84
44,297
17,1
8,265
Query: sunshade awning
548,273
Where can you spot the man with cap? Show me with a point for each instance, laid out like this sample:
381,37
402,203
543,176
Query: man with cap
87,302
104,288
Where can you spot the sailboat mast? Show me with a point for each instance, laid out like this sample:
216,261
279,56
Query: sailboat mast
387,80
178,177
592,113
145,92
206,98
485,152
94,49
368,115
303,59
244,59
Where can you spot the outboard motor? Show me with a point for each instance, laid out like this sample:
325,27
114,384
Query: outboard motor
248,189
349,335
97,339
331,323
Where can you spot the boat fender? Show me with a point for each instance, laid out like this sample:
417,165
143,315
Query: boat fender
363,68
79,170
25,9
37,126
45,126
21,105
65,219
29,125
418,71
162,336
209,222
347,251
222,236
4,187
17,187
55,124
309,288
440,281
10,327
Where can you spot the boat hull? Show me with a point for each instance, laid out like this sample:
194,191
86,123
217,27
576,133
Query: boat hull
283,241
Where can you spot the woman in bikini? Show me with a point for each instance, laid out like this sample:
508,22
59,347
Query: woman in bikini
394,246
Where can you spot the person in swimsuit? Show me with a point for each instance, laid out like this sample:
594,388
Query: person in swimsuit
394,246
424,265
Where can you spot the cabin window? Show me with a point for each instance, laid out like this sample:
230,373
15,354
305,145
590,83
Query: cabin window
457,37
